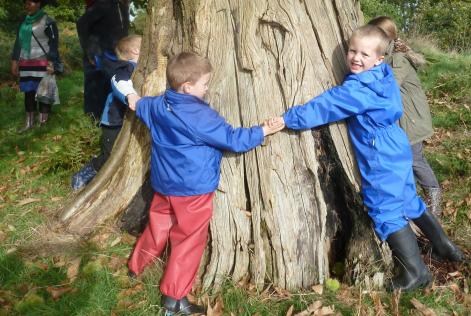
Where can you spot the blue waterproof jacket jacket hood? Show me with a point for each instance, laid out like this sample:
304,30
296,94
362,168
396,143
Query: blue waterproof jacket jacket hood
188,138
371,103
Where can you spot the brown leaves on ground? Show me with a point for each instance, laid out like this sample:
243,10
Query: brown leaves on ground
422,309
57,292
314,309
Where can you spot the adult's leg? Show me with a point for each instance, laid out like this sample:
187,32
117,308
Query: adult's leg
154,238
96,88
188,239
427,180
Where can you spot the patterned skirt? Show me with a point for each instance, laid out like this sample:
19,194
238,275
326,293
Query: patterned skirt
31,73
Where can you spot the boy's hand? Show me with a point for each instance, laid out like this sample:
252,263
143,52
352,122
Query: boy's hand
14,68
132,100
273,125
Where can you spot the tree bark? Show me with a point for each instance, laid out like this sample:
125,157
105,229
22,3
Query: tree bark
286,211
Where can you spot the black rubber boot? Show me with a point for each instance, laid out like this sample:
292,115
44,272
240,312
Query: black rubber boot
442,247
181,307
411,270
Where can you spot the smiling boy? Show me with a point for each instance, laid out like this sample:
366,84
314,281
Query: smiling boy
370,100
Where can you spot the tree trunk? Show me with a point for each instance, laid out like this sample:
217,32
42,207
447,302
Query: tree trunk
286,211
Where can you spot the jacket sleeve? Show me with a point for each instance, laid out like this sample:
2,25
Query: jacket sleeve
53,34
216,132
335,104
122,85
85,23
143,107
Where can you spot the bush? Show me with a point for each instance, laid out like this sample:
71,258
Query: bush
374,8
450,24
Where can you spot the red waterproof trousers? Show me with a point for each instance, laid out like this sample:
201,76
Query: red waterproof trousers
185,221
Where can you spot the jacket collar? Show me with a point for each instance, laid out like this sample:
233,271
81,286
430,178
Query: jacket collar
377,78
176,98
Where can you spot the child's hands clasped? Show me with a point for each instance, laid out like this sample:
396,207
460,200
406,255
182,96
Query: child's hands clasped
132,100
273,125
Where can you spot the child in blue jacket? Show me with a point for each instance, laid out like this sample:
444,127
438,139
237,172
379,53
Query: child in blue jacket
188,139
119,68
370,100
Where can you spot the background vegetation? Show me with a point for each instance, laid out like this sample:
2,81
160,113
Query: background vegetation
90,278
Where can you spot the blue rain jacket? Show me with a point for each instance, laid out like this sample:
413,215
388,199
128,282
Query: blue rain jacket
371,103
188,138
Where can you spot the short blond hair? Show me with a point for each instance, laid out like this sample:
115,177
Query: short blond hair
387,25
375,32
125,44
186,67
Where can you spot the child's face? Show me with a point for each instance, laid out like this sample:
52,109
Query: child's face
135,50
363,54
199,88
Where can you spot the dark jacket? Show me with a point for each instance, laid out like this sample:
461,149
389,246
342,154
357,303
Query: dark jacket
51,32
102,25
116,70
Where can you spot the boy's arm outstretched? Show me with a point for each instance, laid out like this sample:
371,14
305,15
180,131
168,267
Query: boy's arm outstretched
215,131
335,104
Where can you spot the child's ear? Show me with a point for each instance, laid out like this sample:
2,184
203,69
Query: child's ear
379,61
186,87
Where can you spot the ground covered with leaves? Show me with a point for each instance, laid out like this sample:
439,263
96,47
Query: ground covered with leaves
66,278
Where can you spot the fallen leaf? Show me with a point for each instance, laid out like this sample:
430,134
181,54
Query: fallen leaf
378,304
424,310
115,242
290,311
215,310
28,201
73,269
56,198
326,310
318,289
57,292
396,297
3,236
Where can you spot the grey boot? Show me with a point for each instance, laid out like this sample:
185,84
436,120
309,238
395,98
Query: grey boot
29,122
433,199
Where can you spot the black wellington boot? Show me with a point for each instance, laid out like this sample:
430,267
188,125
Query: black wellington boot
181,307
442,247
411,270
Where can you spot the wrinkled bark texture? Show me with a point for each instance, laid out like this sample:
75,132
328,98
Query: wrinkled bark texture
288,210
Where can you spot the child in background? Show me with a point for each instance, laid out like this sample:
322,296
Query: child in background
119,68
188,138
370,100
417,120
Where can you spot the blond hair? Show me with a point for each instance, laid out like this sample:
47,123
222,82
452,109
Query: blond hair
387,25
124,46
186,67
375,32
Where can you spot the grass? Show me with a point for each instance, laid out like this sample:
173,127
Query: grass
90,279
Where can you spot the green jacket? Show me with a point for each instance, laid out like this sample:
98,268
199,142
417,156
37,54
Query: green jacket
416,119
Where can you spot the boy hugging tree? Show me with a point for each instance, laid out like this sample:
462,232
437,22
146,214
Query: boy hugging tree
370,100
188,139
